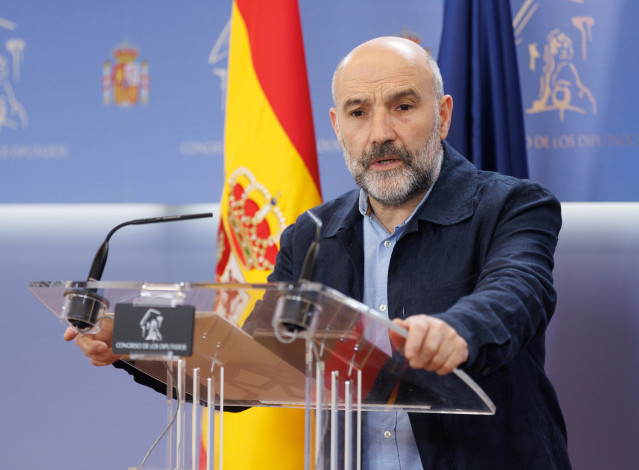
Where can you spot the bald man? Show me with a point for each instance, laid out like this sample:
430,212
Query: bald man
459,257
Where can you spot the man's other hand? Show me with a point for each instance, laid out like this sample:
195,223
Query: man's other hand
97,347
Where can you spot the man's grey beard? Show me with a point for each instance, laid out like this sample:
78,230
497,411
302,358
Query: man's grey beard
393,188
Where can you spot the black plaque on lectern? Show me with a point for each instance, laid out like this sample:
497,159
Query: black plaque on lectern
153,331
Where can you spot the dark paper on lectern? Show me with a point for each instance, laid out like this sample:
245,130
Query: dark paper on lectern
153,331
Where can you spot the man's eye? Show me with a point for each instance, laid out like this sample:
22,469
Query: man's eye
357,113
404,107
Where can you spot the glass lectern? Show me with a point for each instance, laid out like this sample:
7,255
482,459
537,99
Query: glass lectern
276,345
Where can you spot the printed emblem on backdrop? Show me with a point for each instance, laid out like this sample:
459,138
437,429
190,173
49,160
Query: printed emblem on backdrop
413,36
217,59
406,34
558,60
126,80
12,113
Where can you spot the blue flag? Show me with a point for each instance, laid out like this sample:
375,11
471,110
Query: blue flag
478,62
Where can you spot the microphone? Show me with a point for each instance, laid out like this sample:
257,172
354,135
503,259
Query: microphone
83,308
295,309
308,267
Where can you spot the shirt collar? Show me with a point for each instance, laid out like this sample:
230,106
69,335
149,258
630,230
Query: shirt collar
367,211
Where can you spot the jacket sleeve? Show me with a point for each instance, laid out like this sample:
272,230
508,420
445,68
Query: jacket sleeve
514,297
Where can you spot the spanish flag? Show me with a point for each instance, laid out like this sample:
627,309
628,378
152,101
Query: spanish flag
271,177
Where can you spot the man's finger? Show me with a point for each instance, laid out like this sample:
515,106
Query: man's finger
397,340
70,334
452,352
419,345
89,345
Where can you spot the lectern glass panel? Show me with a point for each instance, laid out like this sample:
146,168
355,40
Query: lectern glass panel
272,339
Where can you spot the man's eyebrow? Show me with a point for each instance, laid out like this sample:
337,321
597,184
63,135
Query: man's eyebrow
398,95
354,102
403,94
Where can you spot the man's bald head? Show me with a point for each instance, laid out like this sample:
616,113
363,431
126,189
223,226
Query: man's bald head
405,48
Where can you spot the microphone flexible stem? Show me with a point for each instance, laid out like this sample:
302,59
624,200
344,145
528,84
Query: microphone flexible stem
153,220
99,260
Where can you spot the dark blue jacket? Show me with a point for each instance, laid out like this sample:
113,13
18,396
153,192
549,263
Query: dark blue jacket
479,255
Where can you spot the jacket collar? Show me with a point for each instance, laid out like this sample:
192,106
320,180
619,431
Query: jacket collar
450,201
346,216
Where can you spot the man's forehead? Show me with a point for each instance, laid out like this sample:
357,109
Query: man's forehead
368,84
371,69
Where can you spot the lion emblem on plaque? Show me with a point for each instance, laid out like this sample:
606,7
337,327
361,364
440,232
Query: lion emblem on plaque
150,325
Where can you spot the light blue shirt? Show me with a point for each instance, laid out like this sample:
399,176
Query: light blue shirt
388,442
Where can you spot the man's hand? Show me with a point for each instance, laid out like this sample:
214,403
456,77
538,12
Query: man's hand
431,344
96,347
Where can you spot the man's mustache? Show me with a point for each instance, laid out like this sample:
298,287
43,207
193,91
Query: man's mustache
382,150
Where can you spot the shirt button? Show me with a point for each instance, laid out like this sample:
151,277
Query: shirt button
387,244
382,308
387,434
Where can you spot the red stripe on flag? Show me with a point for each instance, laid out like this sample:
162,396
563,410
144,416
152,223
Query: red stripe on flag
277,50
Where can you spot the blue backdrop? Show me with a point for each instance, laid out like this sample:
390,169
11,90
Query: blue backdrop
578,62
67,135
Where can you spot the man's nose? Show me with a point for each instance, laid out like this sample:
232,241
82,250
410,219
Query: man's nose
382,129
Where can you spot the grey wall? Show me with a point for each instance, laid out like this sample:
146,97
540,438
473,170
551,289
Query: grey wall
59,412
593,344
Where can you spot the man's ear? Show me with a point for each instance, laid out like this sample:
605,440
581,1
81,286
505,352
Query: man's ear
445,115
335,124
